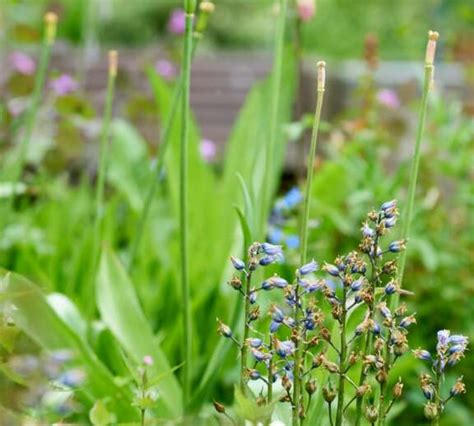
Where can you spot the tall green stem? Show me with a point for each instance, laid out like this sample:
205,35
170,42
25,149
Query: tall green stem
297,385
45,55
183,209
269,184
100,183
158,164
427,84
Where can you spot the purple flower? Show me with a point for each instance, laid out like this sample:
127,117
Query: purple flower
22,63
443,337
388,98
165,69
177,21
208,150
285,348
422,354
63,85
238,264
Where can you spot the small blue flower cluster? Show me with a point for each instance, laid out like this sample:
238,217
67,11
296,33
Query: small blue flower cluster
450,349
282,211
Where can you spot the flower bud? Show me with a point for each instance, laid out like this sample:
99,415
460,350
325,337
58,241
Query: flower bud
329,393
223,329
371,413
363,390
113,63
397,389
430,411
381,376
311,386
306,9
235,283
51,21
237,263
219,407
431,47
458,388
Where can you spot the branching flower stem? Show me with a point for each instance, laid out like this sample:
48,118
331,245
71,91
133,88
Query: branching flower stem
342,358
297,386
243,347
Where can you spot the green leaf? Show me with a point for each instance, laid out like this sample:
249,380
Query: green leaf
121,311
99,415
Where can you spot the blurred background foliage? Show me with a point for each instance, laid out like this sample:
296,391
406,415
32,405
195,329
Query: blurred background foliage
338,32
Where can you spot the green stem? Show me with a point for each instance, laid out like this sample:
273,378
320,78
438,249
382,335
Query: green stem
407,219
31,114
100,187
244,348
158,162
342,358
269,184
183,211
270,373
304,247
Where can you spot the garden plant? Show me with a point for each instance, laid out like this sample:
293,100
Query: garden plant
114,260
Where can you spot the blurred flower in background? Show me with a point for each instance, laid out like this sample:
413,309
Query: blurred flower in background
22,63
63,85
166,69
208,150
177,21
388,98
306,9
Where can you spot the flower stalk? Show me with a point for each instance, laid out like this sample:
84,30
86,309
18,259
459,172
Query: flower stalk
427,86
297,388
101,177
50,22
183,204
206,9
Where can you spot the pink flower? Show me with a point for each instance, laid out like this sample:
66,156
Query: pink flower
63,85
208,150
388,98
306,9
22,63
148,360
165,69
177,21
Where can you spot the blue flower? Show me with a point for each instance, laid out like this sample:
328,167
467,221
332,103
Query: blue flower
331,269
223,329
458,339
72,378
276,313
308,268
388,205
422,354
285,348
390,288
253,374
278,282
376,328
267,285
357,284
292,241
274,326
292,198
443,338
254,342
252,297
275,235
259,355
367,231
390,222
238,263
397,246
271,249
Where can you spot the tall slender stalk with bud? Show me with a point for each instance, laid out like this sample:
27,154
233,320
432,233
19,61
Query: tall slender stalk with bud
206,8
101,177
189,6
321,77
428,82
